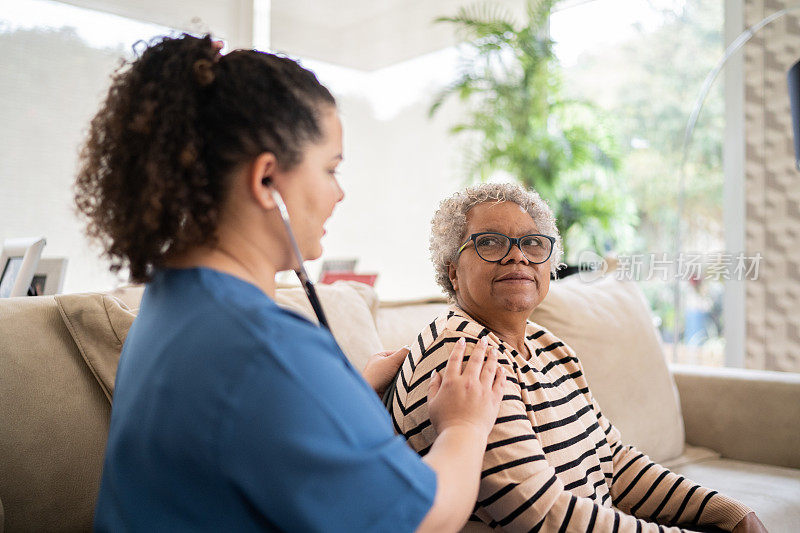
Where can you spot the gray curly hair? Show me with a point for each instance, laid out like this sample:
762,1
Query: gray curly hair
450,221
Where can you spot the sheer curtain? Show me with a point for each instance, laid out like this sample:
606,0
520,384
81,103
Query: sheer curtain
54,71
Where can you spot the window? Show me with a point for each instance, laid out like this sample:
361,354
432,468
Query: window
642,64
55,70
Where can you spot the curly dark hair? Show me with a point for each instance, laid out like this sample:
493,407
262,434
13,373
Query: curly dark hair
177,120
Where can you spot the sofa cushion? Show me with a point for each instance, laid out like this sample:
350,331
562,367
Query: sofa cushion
773,492
609,325
130,295
53,421
349,308
731,410
58,357
691,454
98,324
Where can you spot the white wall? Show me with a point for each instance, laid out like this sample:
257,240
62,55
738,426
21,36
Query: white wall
54,71
399,164
39,138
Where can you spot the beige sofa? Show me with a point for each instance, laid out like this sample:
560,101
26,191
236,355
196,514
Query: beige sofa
734,430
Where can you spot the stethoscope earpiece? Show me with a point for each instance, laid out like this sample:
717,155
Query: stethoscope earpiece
308,287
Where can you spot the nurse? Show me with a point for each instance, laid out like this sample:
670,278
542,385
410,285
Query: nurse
230,413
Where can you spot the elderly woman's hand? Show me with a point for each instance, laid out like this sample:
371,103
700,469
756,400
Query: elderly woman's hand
750,524
382,367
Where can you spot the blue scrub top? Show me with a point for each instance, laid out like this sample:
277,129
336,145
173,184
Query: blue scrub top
231,413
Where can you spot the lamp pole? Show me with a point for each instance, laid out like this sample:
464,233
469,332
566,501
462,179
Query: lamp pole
732,48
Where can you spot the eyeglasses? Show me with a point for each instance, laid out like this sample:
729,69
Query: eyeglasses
494,247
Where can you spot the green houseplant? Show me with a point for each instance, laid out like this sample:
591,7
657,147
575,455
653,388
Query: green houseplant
521,125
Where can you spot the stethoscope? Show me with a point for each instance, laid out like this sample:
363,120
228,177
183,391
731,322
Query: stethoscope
308,287
302,275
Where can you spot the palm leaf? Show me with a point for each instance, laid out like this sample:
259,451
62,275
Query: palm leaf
538,12
518,120
482,20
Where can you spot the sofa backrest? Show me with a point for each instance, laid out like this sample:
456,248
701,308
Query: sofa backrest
350,309
399,323
609,325
58,359
54,419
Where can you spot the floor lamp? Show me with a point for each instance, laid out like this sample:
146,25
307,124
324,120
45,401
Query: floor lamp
732,48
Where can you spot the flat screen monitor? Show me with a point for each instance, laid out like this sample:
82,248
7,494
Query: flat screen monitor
18,262
10,272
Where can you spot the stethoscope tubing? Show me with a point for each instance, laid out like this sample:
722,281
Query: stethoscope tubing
302,275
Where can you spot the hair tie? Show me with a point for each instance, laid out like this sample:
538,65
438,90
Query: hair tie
203,72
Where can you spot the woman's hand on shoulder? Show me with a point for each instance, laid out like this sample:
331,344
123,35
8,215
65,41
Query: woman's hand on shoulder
382,367
469,398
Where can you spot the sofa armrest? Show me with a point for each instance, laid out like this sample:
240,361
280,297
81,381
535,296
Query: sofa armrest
749,415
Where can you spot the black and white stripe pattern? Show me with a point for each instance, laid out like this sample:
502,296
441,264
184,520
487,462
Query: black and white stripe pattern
553,462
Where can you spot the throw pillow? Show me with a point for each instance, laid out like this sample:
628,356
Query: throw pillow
609,325
348,307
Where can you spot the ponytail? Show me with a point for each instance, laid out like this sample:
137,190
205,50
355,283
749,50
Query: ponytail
175,122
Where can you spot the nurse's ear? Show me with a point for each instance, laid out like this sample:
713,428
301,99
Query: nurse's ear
260,180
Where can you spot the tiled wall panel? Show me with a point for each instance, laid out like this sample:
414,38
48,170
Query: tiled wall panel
772,188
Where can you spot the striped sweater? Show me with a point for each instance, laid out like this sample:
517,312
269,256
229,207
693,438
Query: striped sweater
553,461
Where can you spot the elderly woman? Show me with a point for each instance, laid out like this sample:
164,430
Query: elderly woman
553,461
